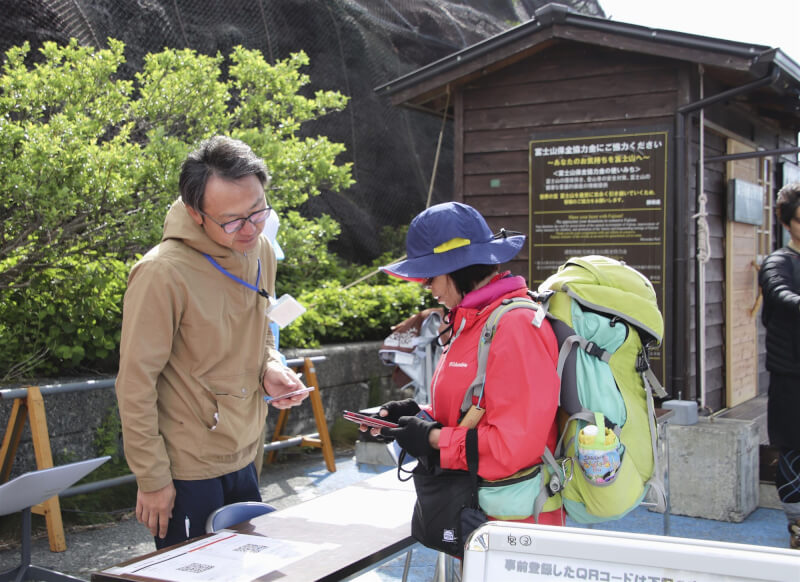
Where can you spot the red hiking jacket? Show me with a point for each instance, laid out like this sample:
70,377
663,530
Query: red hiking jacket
521,390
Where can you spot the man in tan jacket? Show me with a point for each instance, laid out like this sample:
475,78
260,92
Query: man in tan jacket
196,354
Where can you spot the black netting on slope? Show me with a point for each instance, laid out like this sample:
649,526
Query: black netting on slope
354,46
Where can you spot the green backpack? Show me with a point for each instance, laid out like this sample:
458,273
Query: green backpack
605,316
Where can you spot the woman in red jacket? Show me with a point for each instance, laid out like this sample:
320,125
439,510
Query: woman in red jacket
452,252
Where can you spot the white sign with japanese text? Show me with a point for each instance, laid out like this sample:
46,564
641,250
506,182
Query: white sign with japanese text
527,553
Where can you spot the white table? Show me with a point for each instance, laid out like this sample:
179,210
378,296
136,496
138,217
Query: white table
362,525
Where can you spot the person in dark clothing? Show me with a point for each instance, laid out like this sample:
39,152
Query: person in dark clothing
779,278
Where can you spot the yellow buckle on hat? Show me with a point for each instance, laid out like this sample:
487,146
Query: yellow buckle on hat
453,243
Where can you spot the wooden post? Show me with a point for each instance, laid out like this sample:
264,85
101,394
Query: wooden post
16,423
322,441
32,407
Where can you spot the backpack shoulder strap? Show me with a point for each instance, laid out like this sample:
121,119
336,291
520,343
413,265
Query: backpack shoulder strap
487,335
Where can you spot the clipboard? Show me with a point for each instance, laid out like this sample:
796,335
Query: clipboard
35,487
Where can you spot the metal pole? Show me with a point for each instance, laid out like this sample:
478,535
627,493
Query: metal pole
755,154
123,479
97,485
49,389
703,252
680,242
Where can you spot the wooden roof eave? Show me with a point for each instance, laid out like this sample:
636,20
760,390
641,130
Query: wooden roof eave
698,53
422,89
420,95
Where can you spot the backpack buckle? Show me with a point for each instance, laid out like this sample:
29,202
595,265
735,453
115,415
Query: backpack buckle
541,296
594,350
642,362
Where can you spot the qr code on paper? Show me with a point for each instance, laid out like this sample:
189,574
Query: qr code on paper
195,568
251,548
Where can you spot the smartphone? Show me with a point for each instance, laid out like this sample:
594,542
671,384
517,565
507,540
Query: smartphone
288,394
423,414
367,420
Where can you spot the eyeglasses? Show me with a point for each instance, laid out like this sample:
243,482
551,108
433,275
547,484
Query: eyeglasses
232,226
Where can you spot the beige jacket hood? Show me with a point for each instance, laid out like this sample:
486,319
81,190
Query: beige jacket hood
194,346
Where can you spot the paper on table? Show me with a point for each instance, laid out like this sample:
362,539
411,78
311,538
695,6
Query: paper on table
226,556
345,511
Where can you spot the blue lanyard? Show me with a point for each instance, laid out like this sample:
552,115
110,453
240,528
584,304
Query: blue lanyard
222,270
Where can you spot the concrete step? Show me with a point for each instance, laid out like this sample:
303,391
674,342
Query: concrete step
768,496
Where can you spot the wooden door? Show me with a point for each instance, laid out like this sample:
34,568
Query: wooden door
741,291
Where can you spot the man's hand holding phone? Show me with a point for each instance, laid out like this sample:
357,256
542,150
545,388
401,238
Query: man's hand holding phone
283,387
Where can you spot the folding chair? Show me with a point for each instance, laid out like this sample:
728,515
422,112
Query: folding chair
234,513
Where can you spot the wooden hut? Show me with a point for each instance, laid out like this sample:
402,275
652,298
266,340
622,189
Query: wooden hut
587,134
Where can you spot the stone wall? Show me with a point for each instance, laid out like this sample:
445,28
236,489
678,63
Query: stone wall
347,376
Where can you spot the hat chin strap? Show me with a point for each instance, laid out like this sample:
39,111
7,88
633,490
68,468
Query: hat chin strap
503,233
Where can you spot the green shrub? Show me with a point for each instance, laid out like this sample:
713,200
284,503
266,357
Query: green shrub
65,316
361,313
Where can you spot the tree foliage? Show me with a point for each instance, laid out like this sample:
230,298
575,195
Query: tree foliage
89,164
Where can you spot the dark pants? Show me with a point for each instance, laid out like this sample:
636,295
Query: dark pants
196,500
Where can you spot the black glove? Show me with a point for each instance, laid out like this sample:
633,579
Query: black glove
398,408
395,409
412,435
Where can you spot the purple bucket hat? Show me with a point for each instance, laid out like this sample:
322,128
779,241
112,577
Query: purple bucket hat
447,237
